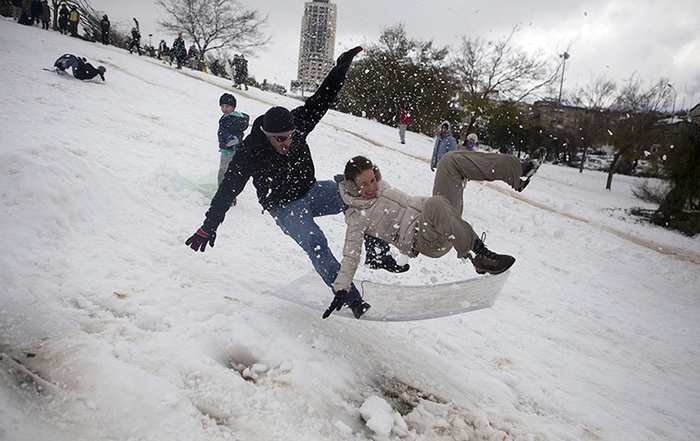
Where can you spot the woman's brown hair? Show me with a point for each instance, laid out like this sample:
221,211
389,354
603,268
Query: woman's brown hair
356,166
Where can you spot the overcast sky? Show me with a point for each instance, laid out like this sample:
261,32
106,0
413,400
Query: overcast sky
651,38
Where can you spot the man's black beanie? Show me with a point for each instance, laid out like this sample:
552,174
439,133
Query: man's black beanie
278,120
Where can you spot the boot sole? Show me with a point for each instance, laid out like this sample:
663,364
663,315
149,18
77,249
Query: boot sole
495,272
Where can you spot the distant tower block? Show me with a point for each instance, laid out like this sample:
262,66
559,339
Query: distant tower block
316,45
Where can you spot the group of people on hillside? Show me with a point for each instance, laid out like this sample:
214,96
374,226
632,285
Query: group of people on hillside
69,19
445,141
39,12
277,157
178,53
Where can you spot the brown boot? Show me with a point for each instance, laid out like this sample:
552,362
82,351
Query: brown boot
486,261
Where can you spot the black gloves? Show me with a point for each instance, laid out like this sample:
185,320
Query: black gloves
198,241
345,59
337,303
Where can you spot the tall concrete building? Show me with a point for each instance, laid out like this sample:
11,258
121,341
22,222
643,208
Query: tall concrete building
316,45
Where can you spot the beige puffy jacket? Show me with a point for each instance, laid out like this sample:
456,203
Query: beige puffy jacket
392,215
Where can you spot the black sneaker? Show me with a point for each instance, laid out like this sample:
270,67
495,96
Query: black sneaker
389,264
486,261
359,307
531,166
536,159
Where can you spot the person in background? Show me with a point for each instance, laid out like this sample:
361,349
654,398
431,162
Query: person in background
240,67
63,14
192,58
178,51
444,143
404,121
25,19
16,9
35,10
415,225
73,19
277,157
135,38
82,70
104,27
164,52
231,127
470,142
45,15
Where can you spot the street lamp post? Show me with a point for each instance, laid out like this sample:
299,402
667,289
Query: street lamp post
564,56
673,112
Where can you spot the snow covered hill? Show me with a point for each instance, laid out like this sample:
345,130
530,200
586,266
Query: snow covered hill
594,337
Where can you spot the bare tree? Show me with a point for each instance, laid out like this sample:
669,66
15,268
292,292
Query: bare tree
215,24
594,125
640,106
491,70
598,94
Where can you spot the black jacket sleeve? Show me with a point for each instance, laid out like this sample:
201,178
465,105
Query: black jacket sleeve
306,117
234,182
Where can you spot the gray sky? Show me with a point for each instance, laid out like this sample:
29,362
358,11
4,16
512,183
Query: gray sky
652,38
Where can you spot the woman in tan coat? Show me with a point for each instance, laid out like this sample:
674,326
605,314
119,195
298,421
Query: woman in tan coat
431,226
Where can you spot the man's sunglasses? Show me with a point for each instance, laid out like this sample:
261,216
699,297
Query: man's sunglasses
283,138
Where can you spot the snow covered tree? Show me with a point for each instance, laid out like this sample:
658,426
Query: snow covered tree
504,128
398,70
215,24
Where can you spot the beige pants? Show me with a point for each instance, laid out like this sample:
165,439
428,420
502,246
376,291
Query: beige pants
441,223
440,228
456,167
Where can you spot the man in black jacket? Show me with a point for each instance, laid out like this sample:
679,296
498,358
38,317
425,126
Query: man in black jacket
277,157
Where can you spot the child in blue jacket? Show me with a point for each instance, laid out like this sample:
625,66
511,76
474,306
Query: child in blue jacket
231,128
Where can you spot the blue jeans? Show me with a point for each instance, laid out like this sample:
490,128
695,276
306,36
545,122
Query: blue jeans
296,219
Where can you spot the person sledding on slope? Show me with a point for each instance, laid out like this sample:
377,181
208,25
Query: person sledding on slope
82,70
277,157
431,226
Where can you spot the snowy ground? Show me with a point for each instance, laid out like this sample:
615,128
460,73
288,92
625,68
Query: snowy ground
594,337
